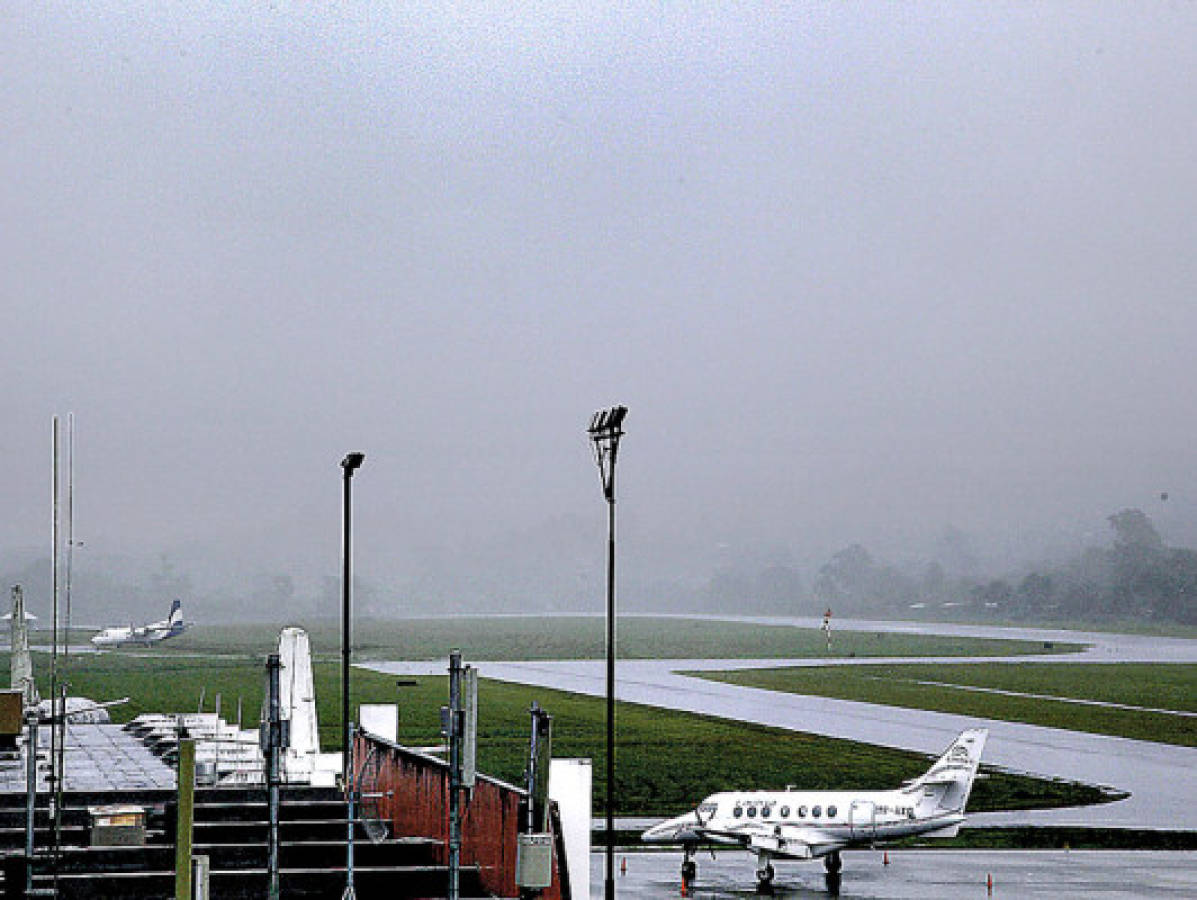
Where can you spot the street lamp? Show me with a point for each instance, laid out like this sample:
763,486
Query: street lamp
349,465
606,428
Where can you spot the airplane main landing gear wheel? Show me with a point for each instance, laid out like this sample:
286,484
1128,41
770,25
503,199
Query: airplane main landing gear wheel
764,877
689,868
832,862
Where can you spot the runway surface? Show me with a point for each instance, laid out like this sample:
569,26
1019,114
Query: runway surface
921,874
1161,778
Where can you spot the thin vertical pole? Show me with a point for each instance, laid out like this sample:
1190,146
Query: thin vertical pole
455,722
609,882
351,814
64,676
70,543
186,816
55,709
346,632
31,719
274,740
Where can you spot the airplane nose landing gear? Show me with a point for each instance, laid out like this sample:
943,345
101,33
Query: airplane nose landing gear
832,881
764,879
689,868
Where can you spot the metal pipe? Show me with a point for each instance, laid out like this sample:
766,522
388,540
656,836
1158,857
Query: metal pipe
54,709
609,880
455,717
348,465
274,739
351,814
346,634
606,428
31,719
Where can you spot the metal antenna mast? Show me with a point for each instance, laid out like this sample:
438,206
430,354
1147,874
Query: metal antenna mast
55,794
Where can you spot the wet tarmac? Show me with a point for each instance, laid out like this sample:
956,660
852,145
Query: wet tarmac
1161,778
921,874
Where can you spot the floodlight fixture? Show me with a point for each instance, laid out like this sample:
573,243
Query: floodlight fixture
606,428
352,462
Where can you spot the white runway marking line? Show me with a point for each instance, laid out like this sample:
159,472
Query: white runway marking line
1109,704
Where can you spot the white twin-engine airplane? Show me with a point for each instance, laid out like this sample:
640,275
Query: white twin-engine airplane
144,635
793,824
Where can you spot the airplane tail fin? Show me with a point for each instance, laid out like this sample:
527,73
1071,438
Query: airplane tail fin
175,619
950,780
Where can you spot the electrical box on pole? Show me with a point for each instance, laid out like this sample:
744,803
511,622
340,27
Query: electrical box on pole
534,851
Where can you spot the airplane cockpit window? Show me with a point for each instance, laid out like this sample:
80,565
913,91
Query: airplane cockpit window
706,810
831,812
817,811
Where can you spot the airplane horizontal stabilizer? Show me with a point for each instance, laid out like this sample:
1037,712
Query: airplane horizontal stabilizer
950,832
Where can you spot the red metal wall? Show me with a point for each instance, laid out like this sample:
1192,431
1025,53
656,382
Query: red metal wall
418,806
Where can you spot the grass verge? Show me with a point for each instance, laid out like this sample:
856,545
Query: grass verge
667,761
1162,686
581,637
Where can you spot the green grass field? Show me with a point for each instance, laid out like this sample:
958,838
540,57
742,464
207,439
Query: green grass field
578,637
1156,686
667,760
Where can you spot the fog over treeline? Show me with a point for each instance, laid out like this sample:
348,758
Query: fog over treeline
913,277
1132,575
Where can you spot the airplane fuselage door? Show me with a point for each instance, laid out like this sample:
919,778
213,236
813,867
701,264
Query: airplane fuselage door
862,819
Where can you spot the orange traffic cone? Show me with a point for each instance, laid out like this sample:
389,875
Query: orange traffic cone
989,883
623,866
885,859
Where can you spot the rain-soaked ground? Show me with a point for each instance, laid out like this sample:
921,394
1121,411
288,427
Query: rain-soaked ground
1161,778
921,874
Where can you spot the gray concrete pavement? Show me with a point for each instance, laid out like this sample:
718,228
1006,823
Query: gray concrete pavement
1161,778
918,875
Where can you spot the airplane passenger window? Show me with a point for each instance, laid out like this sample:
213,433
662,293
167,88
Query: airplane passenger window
752,812
737,812
802,812
766,811
785,812
831,812
817,811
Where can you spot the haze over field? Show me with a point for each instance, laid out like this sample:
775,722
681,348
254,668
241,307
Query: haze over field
918,277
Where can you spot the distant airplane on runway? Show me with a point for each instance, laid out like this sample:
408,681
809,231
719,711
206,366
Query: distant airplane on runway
144,635
794,824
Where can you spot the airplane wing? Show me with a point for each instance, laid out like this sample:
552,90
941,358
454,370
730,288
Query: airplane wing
795,842
792,841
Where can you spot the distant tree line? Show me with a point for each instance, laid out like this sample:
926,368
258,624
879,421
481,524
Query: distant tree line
1137,578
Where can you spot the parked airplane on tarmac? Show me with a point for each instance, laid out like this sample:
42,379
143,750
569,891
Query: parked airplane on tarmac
794,824
144,635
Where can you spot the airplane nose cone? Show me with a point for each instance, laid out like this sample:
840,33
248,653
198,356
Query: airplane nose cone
672,831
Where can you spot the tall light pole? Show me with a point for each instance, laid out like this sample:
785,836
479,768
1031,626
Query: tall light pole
349,465
606,428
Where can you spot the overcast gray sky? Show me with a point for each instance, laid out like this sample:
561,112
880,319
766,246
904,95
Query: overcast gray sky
859,270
